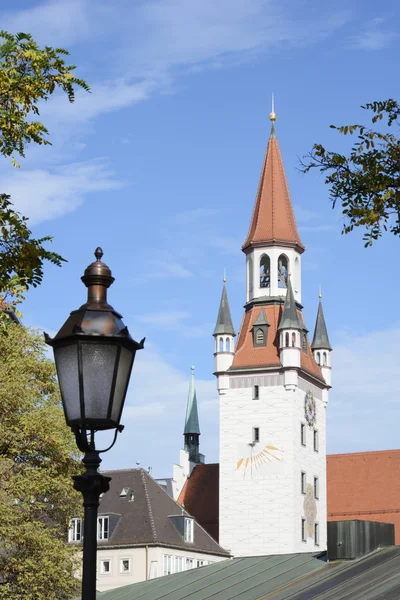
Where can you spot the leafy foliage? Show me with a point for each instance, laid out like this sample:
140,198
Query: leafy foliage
37,458
367,181
28,75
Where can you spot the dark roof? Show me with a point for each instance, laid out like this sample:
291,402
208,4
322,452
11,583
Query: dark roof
261,319
290,318
192,415
200,496
320,339
295,576
145,520
224,320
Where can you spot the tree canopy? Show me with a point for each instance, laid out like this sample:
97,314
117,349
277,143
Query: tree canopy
37,459
29,75
366,182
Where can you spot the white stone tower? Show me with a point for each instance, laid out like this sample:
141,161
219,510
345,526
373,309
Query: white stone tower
273,394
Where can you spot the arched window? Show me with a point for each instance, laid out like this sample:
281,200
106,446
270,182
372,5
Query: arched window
228,345
293,339
221,344
250,275
324,359
260,337
265,268
287,339
304,342
282,271
318,358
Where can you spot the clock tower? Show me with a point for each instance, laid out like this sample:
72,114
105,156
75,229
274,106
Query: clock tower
273,390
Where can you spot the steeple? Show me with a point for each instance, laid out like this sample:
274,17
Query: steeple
224,320
290,318
320,339
192,428
273,221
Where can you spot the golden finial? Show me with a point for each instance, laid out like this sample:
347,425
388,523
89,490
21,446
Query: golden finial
320,292
272,114
224,279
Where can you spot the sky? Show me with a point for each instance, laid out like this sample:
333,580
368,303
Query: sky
159,165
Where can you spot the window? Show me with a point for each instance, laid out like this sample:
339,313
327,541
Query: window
105,567
125,565
282,271
189,563
256,392
131,497
324,363
124,492
102,528
316,534
256,434
75,530
221,344
293,339
303,434
250,264
260,337
264,271
201,563
318,358
303,482
179,564
189,530
305,343
316,488
287,339
168,558
228,345
315,440
303,530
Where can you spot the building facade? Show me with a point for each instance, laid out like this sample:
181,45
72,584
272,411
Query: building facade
273,390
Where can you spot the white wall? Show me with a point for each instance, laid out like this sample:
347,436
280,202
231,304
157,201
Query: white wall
261,504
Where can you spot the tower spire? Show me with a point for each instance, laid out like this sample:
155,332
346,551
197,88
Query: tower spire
290,318
192,429
320,339
273,221
224,323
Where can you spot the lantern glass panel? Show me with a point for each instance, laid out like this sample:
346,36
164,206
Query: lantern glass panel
124,371
98,364
66,358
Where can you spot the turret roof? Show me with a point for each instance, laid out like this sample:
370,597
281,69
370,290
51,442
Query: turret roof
192,415
290,319
320,339
224,320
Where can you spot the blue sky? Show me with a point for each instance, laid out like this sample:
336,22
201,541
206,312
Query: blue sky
160,165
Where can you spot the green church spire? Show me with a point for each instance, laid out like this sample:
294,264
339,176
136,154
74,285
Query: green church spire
192,428
224,320
289,318
320,339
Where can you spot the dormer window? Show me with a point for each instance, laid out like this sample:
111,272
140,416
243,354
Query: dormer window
260,337
188,535
260,329
124,492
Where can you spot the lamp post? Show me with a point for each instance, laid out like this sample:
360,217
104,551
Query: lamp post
94,355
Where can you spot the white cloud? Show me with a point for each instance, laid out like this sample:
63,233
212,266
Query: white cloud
373,36
45,194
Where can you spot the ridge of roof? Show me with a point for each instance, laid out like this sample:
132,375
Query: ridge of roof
273,220
152,524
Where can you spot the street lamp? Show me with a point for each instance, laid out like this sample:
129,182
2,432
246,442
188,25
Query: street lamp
94,355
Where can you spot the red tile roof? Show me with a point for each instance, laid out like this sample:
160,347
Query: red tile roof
200,495
273,218
365,485
247,355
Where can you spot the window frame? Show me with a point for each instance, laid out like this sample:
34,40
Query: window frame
315,440
303,482
188,530
256,392
316,534
103,571
189,563
101,529
303,434
303,530
121,570
168,559
256,435
73,534
316,487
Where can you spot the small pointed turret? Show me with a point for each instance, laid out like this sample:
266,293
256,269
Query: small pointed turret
192,428
290,318
224,320
320,339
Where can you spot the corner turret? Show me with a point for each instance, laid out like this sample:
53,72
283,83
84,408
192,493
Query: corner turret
321,346
224,336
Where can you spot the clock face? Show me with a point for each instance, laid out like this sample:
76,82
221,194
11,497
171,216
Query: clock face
310,410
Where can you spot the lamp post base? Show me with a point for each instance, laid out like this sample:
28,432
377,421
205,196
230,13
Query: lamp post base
91,484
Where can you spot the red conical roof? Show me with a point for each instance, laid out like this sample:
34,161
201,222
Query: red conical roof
273,219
